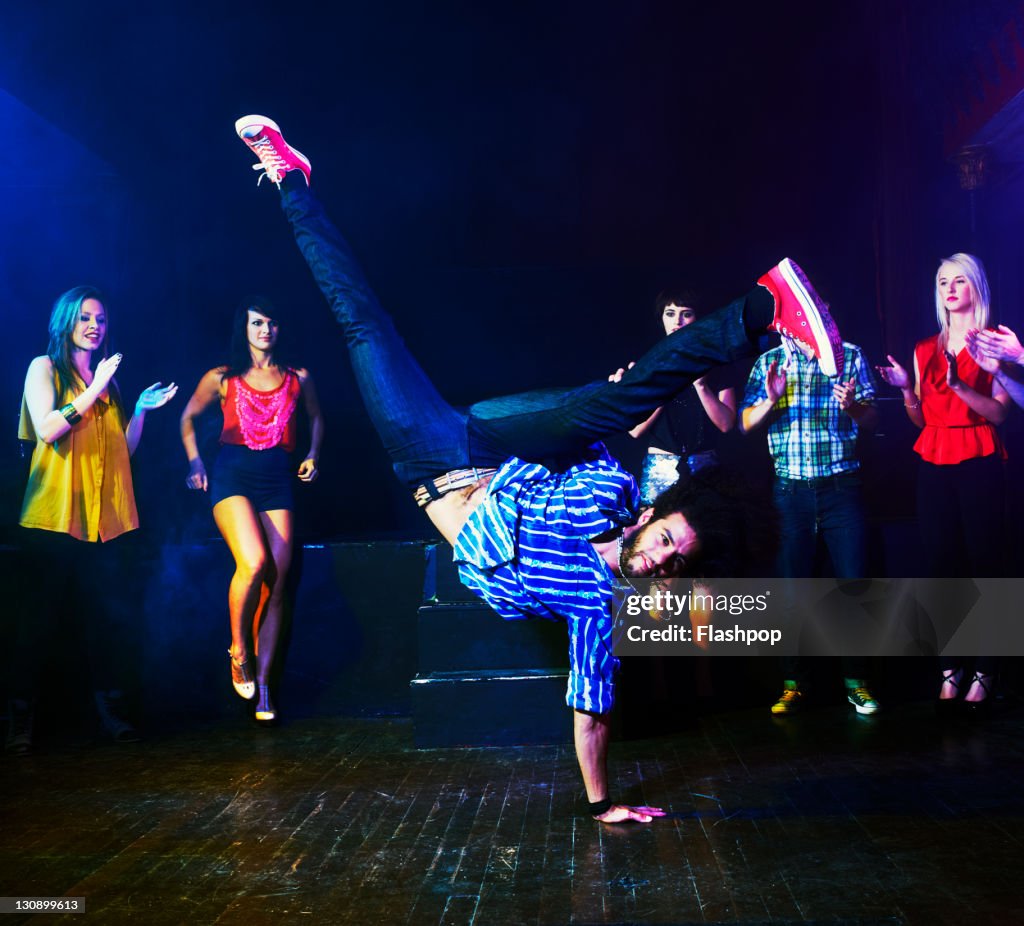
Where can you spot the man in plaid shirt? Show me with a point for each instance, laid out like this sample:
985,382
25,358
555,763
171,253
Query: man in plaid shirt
812,421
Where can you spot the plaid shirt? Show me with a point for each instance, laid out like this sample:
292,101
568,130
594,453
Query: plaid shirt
809,436
526,551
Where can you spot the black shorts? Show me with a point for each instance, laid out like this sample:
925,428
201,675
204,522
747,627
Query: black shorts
262,476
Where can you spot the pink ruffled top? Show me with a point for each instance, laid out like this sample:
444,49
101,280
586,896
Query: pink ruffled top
261,420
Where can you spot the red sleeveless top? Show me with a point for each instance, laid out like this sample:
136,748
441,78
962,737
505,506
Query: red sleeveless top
952,432
261,420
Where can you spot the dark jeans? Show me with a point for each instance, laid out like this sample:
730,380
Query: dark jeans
426,437
831,508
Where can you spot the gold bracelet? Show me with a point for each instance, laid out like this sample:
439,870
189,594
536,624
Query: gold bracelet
917,404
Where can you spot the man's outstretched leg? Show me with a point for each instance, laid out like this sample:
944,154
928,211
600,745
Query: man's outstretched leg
427,438
542,424
424,436
422,433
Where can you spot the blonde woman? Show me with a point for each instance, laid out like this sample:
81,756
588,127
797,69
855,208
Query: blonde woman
957,404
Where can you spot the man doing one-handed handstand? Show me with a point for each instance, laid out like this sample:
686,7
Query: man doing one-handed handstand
541,518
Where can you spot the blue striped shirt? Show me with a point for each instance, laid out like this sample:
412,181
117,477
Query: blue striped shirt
526,551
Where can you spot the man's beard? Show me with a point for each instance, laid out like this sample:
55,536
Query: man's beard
673,567
629,550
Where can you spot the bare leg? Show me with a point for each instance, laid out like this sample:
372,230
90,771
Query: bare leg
277,529
240,526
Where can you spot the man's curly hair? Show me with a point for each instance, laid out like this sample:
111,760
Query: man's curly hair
734,527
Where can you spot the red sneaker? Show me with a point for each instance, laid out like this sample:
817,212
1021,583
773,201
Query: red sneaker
801,314
276,156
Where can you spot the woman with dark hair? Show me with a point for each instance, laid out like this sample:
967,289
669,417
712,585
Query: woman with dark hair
957,404
251,487
683,436
79,496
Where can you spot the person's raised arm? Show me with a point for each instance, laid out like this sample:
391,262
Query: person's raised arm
1000,354
1011,381
896,375
998,344
754,416
50,422
993,408
155,396
856,396
844,392
641,429
720,407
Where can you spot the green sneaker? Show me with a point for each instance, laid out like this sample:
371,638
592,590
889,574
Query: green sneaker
789,702
862,700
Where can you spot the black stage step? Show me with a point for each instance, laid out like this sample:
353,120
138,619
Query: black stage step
469,637
501,707
484,681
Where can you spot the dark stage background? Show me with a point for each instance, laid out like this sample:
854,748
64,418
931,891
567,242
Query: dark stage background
519,182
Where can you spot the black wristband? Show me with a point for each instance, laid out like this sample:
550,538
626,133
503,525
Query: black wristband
599,807
70,414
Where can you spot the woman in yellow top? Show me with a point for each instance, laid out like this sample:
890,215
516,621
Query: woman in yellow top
79,495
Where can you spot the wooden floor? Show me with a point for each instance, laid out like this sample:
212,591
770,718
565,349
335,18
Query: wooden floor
823,818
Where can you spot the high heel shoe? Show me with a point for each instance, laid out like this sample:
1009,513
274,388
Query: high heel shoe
947,708
979,709
266,713
242,678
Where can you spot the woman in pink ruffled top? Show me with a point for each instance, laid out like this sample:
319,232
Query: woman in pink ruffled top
251,486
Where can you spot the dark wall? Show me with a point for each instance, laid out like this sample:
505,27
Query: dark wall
518,183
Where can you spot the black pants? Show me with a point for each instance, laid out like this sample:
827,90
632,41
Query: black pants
960,512
79,587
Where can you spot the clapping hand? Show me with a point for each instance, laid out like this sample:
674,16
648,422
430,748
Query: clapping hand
104,372
775,382
155,396
844,393
982,357
952,373
894,374
998,344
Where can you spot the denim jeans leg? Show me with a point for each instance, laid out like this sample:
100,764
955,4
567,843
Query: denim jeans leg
798,540
842,523
798,534
423,434
553,422
840,504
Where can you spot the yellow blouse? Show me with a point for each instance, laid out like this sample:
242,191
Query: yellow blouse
82,484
